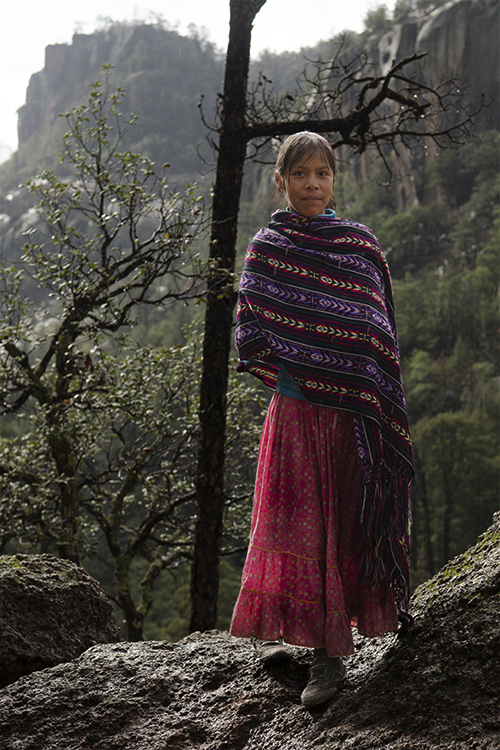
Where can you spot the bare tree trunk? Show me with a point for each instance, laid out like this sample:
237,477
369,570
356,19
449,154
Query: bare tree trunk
221,299
69,506
133,618
65,460
421,484
429,551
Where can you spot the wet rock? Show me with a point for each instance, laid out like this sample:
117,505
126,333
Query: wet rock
437,687
51,611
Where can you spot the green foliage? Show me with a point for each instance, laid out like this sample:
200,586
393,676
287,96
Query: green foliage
459,456
99,383
100,455
135,437
170,611
109,426
375,202
448,329
403,7
457,172
377,20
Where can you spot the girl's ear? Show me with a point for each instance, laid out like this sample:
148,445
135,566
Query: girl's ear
278,180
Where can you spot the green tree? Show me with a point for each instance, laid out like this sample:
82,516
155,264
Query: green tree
109,426
130,421
110,239
377,20
447,313
459,455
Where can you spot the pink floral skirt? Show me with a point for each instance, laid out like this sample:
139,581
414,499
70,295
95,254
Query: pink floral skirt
301,576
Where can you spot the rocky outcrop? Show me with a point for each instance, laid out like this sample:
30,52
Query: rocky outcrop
461,39
436,687
51,611
163,75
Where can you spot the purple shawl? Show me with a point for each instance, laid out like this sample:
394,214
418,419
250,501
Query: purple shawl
315,296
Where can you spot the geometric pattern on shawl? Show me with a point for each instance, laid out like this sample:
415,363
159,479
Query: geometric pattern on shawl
315,295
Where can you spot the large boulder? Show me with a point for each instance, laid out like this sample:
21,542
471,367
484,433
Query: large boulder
51,611
438,687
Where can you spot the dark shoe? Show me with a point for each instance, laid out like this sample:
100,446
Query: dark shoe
326,675
270,652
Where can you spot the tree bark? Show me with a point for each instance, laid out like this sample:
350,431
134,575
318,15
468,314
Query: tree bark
221,299
64,457
65,461
421,484
133,618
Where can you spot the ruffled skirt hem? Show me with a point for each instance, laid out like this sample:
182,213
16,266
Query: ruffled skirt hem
302,576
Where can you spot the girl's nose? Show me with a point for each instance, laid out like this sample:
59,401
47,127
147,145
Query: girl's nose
311,181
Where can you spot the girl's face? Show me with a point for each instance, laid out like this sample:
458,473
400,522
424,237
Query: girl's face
309,185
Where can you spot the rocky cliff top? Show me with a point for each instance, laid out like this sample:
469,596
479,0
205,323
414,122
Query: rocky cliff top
437,687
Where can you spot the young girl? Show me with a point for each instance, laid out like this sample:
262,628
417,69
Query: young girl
329,535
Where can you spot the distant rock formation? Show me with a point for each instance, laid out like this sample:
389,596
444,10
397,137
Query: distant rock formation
5,152
163,74
51,611
438,686
460,39
461,42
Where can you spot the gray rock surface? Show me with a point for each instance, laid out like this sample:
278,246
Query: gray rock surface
437,687
51,611
456,36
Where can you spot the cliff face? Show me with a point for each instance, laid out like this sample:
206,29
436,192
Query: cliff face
163,74
436,687
461,41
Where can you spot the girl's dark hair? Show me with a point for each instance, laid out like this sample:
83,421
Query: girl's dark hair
303,146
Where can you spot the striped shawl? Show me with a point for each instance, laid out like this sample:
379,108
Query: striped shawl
315,296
